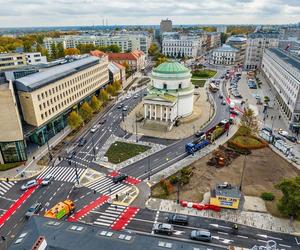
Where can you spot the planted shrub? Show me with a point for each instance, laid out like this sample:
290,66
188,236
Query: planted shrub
267,196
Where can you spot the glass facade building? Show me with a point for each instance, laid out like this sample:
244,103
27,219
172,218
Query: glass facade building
13,151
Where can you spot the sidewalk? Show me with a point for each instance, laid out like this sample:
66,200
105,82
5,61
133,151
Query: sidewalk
252,219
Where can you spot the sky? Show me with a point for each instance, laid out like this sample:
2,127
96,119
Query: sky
28,13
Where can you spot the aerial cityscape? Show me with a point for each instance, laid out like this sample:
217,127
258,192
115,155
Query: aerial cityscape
149,125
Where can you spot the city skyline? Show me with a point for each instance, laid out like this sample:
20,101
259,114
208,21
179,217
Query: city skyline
34,13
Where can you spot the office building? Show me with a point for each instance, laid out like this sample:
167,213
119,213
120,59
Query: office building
35,58
170,95
225,55
213,40
256,44
135,60
282,71
12,60
183,46
165,26
43,101
288,33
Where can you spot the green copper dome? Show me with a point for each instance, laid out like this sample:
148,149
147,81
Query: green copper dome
171,68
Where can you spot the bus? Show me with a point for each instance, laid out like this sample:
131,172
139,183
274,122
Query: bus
213,88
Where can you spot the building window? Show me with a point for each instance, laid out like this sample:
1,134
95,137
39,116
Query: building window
165,86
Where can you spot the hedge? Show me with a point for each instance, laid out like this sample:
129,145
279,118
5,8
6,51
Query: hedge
267,196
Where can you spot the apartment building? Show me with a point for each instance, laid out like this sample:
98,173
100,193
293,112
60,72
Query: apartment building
43,101
35,58
213,40
135,60
289,33
282,71
12,60
256,45
126,42
225,55
240,43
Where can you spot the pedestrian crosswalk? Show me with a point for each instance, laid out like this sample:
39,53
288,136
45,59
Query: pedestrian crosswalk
105,185
66,174
5,186
108,217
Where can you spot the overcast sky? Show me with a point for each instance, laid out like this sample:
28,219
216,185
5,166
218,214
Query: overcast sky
20,13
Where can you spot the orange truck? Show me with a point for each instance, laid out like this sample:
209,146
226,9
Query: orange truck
61,209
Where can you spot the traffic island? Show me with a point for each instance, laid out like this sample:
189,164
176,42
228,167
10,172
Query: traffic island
118,152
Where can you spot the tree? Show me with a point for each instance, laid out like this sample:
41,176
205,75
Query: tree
289,204
114,48
224,37
27,46
86,48
54,51
153,49
103,96
160,60
86,111
127,68
249,120
95,104
74,120
111,90
60,50
117,85
72,51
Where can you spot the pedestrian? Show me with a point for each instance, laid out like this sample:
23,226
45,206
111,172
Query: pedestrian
7,179
94,191
116,207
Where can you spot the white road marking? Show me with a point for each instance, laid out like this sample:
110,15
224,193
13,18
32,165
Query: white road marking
284,245
222,233
242,236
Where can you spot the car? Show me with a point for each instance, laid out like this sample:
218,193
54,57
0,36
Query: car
199,133
201,235
47,180
136,96
102,121
291,138
82,142
71,155
223,102
257,97
234,112
178,219
125,108
237,95
128,97
29,184
34,209
121,105
94,128
268,129
221,96
163,228
279,138
283,132
144,94
119,178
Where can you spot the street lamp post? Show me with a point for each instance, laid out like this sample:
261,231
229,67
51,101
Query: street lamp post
76,172
47,142
149,169
136,128
94,151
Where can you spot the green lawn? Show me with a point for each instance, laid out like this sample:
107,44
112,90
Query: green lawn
8,166
246,141
121,151
203,73
199,83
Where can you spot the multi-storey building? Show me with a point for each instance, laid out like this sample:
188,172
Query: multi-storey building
12,60
289,32
256,44
182,47
35,58
282,71
222,29
240,43
43,101
225,55
165,26
126,42
213,40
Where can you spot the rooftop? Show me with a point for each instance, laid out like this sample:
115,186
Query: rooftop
263,35
237,39
35,81
286,57
226,48
171,68
65,235
227,190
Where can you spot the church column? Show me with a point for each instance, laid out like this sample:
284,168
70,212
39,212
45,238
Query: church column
145,110
155,111
167,113
150,106
161,113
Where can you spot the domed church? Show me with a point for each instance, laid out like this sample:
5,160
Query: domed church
170,94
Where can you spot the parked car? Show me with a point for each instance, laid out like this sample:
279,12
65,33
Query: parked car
268,129
237,95
119,178
234,112
163,228
82,142
221,96
102,121
277,138
201,235
29,184
125,108
136,96
94,128
121,105
283,132
223,102
47,180
291,138
128,97
34,209
178,219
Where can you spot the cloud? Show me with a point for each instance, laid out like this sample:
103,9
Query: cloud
84,12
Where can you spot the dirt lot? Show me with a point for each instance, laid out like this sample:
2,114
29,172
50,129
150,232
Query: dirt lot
263,169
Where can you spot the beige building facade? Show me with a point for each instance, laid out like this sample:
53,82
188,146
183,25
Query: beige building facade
12,60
